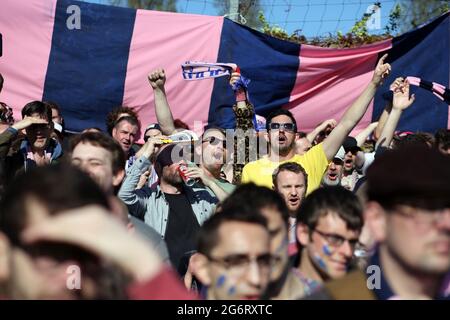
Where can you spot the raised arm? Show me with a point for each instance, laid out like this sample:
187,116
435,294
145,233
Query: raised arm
357,110
401,101
363,135
157,79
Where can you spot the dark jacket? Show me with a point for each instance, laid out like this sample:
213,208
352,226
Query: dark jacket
13,161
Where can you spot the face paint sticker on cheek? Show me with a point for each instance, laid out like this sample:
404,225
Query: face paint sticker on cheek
320,262
326,250
231,290
221,281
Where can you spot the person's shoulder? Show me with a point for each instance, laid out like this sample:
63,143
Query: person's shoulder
257,163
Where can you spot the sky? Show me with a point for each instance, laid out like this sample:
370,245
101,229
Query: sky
312,17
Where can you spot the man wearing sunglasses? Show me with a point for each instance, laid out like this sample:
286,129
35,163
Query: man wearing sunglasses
212,149
37,149
329,223
281,131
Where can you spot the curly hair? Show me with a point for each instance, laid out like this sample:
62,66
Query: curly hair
113,116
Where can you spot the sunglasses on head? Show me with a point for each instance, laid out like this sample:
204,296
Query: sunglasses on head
285,126
215,141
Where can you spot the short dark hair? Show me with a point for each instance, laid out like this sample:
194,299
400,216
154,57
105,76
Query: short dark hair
208,236
442,138
255,198
111,117
290,166
58,187
53,105
131,120
38,107
280,112
411,139
331,199
99,139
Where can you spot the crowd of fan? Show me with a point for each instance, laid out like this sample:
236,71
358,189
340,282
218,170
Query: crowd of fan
322,215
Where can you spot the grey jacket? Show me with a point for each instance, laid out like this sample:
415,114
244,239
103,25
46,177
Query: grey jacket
150,205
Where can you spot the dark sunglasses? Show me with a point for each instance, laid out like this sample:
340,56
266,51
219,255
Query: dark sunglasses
285,126
215,141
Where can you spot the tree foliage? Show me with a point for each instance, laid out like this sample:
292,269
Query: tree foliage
160,5
404,16
248,9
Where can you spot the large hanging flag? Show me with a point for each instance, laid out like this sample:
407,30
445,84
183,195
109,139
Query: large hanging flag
90,58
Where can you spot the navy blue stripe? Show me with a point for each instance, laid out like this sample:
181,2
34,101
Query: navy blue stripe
423,53
269,63
87,67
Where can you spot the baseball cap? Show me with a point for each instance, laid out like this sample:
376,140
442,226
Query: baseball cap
350,144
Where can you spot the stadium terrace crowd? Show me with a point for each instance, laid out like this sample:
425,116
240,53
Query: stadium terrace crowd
304,215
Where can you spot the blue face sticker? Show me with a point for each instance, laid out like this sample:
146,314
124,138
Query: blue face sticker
326,250
283,245
232,291
320,262
220,281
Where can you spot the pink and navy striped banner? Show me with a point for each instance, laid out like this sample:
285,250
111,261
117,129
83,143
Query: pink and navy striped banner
105,64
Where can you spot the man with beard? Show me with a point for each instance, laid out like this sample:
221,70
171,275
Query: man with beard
213,142
281,130
175,211
37,149
350,174
291,181
333,175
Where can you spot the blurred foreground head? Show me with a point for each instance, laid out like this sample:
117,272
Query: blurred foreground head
41,270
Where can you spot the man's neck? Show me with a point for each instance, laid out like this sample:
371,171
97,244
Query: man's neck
407,283
212,172
38,151
280,157
307,268
169,188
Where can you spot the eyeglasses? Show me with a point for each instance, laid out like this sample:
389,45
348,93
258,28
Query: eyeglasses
215,141
240,262
336,240
285,126
422,217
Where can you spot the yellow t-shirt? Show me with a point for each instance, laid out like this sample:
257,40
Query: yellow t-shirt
314,162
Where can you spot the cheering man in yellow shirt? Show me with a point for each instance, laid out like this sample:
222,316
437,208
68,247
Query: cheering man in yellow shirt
282,127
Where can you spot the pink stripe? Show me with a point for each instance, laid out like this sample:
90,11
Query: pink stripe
330,80
27,28
167,40
448,122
